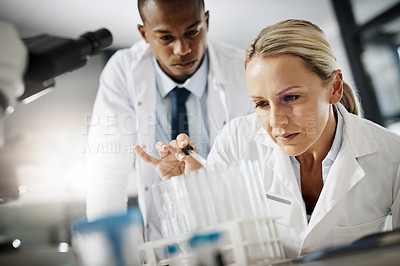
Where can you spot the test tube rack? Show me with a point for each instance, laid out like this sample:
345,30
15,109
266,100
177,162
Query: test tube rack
246,241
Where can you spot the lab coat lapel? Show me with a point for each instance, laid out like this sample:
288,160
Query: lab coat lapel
282,168
278,163
218,112
144,96
345,172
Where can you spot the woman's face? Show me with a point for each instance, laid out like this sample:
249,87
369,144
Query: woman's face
292,103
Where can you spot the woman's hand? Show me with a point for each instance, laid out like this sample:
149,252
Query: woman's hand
173,161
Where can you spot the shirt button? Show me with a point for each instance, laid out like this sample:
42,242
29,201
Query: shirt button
139,103
146,188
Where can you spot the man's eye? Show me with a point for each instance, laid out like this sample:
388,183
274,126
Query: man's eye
192,32
166,37
261,105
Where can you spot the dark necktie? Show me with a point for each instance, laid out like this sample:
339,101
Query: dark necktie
179,119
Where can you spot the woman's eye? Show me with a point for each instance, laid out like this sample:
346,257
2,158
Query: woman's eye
289,98
261,105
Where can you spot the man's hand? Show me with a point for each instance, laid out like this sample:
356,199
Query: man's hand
173,161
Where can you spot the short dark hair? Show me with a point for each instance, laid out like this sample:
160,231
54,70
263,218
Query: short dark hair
141,4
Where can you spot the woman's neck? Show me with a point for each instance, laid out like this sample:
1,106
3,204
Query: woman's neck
317,152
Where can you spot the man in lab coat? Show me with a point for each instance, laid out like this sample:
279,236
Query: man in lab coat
133,104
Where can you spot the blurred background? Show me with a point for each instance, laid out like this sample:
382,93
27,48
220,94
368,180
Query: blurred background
42,165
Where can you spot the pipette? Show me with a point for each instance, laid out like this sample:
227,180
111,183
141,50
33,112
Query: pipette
188,150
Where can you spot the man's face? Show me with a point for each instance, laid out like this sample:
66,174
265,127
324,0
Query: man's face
177,33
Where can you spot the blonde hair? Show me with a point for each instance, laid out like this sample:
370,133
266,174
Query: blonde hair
307,41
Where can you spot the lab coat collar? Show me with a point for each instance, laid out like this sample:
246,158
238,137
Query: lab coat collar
216,98
142,74
215,68
281,166
359,136
345,172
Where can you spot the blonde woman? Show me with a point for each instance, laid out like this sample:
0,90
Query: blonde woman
330,175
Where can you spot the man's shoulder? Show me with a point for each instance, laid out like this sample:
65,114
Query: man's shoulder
134,53
222,49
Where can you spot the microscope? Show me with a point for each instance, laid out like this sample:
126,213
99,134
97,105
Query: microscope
29,67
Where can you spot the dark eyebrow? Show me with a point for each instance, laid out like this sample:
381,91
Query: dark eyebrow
194,24
167,31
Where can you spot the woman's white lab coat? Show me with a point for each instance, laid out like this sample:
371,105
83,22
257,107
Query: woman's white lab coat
362,187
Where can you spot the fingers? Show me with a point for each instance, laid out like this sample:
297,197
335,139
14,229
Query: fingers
175,146
184,140
176,150
145,156
162,149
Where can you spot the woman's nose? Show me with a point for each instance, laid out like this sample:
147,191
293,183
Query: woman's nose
277,117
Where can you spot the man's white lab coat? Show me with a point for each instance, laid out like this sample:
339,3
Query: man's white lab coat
362,187
124,115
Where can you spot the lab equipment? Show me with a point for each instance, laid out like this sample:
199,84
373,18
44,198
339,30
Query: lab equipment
187,149
110,241
29,67
50,57
206,249
197,156
227,199
13,57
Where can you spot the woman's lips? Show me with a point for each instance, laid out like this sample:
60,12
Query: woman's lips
286,137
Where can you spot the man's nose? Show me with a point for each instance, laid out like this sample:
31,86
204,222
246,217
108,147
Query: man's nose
182,47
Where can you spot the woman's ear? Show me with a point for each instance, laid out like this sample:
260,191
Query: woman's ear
337,86
207,17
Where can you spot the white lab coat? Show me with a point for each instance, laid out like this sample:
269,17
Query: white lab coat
362,187
124,115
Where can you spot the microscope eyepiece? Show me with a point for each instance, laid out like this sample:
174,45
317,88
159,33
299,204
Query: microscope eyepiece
50,57
93,42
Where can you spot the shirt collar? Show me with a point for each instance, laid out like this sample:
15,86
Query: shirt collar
196,84
337,141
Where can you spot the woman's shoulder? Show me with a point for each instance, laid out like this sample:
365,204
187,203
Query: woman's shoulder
371,137
245,124
384,137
